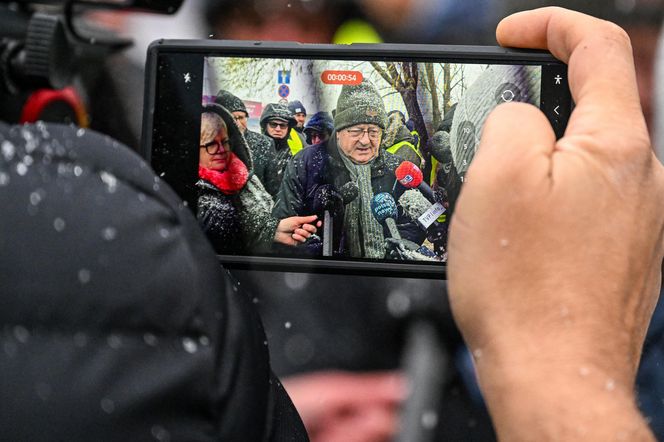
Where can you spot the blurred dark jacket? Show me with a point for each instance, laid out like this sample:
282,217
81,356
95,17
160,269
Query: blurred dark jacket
117,322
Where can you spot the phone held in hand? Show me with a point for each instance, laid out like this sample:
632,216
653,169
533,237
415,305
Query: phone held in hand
373,139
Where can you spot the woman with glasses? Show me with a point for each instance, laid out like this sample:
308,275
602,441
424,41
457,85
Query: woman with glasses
233,206
351,154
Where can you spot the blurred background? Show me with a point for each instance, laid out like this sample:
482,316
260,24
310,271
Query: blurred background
330,333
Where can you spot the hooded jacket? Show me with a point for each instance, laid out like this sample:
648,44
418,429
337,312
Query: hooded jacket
261,146
117,321
282,150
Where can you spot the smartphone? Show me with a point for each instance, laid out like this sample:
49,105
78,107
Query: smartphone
373,139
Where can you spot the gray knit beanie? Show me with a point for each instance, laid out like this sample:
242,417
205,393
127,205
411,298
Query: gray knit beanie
359,104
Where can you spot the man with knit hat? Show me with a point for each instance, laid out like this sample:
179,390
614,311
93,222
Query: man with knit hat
261,147
296,138
351,154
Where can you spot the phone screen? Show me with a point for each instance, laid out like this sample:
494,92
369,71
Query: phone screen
376,146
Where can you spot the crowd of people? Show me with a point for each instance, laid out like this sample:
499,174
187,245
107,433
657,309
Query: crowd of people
298,171
141,336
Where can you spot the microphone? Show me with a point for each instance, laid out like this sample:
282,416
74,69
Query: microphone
328,202
384,209
410,176
418,208
440,147
349,192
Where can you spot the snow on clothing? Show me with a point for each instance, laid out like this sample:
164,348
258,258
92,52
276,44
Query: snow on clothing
398,140
261,147
115,309
236,221
321,165
262,151
239,223
282,152
321,122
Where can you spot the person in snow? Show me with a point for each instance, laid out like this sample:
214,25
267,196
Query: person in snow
261,146
299,113
276,122
234,208
319,128
351,154
399,141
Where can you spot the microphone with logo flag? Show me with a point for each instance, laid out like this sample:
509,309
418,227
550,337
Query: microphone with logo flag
410,176
384,209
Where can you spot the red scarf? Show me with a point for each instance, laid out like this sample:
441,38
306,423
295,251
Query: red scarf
229,181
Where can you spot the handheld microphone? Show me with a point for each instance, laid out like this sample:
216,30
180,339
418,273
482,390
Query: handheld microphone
328,201
440,147
349,192
418,208
410,176
384,209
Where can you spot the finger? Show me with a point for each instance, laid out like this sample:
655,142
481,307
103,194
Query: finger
302,232
299,238
601,70
298,220
517,143
515,153
309,228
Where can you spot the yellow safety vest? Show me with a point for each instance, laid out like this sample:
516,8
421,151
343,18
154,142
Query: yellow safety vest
434,166
395,147
294,142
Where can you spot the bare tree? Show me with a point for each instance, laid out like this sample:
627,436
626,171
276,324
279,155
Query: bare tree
404,78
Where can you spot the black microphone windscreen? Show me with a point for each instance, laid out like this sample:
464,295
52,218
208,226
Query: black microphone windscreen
349,192
440,147
326,198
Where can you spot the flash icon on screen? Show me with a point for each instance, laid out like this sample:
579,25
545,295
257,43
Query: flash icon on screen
187,78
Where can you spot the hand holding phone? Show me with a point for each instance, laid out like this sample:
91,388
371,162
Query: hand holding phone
556,245
386,108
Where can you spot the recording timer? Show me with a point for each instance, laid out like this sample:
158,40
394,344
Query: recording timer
341,77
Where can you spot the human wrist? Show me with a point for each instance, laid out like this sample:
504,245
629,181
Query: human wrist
559,397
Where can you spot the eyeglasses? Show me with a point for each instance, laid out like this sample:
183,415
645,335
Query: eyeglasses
214,147
374,134
274,125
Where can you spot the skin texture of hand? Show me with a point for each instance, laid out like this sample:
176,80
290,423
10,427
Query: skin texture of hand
556,246
296,229
348,407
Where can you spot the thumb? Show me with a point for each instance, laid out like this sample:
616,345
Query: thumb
511,167
517,143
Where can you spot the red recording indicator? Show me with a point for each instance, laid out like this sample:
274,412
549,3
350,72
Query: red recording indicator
341,77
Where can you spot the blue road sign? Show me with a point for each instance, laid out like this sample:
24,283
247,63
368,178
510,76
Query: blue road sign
283,77
283,91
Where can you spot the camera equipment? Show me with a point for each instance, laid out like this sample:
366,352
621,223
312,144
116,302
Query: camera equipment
42,42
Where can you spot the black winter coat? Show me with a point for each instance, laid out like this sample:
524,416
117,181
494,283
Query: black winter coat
117,322
321,165
262,153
